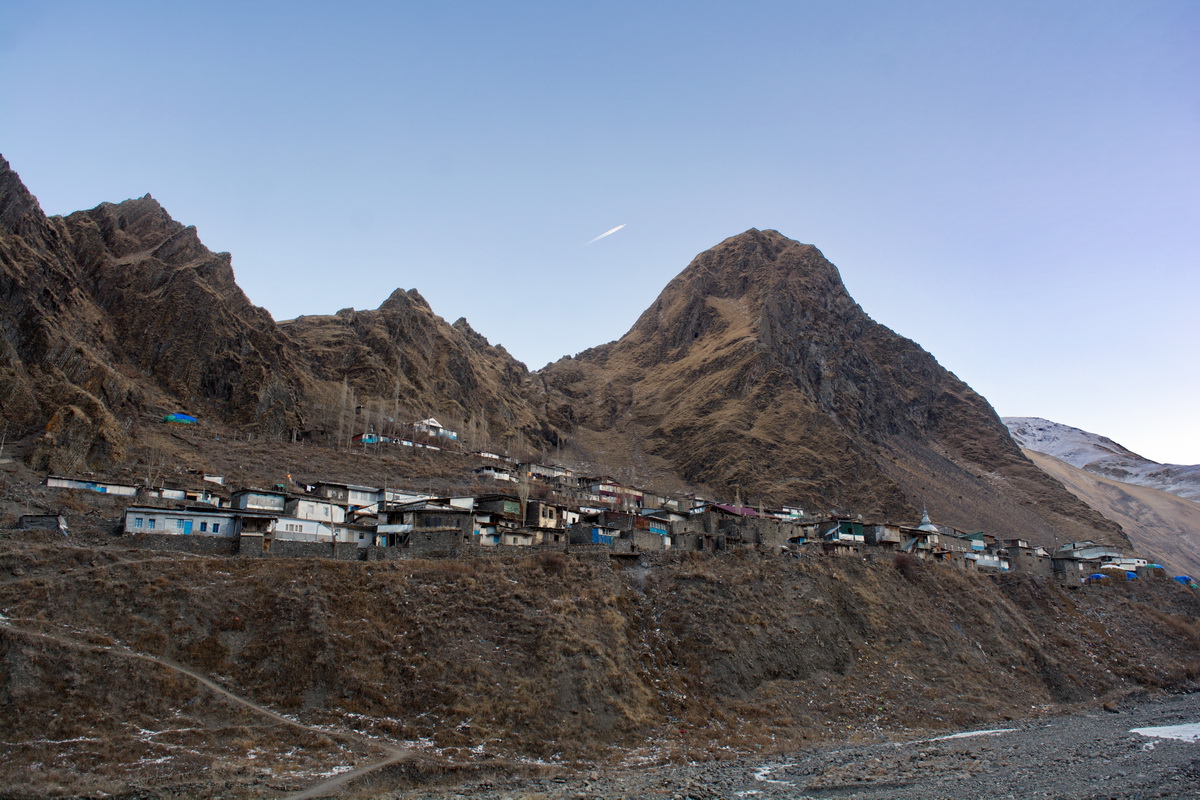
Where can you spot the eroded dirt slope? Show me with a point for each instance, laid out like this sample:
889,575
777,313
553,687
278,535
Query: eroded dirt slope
546,657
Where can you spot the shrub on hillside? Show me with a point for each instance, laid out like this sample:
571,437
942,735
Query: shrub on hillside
907,565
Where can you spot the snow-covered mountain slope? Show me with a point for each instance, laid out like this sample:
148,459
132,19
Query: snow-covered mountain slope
1102,456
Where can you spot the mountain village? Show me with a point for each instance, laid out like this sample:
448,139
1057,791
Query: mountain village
545,506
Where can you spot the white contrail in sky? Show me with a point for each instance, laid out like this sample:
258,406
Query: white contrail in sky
606,233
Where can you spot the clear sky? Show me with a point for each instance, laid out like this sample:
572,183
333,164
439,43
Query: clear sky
1014,185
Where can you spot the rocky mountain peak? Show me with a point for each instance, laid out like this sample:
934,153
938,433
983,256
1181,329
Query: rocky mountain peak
474,337
758,263
755,369
400,301
137,226
20,212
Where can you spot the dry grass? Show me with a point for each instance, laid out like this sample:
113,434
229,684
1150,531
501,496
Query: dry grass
551,656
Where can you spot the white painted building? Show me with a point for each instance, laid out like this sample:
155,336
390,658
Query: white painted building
102,487
350,494
316,508
298,529
496,473
142,519
258,500
431,427
186,495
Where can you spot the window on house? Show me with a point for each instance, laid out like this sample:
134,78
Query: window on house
216,527
179,524
150,523
137,522
203,527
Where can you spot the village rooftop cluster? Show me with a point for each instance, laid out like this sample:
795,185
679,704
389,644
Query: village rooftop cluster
545,506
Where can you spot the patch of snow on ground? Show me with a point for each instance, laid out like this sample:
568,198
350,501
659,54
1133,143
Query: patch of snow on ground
969,734
761,774
1184,733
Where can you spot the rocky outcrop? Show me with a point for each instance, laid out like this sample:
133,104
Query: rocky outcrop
184,322
119,312
54,340
404,362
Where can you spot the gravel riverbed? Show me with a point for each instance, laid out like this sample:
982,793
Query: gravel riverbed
1093,754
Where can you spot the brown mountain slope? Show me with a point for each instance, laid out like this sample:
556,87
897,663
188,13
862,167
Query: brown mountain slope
408,363
180,317
117,310
1162,526
53,365
754,369
120,313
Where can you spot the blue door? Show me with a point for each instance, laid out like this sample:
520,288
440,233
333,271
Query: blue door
187,526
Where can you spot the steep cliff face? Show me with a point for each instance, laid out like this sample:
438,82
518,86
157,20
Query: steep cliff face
755,369
55,340
183,320
120,311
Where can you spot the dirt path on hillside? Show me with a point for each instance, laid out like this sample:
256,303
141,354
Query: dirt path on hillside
330,787
325,788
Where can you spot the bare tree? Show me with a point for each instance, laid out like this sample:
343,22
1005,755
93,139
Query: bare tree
523,489
341,430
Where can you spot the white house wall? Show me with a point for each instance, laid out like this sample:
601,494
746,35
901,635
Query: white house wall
161,520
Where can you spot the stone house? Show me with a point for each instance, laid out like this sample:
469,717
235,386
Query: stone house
545,520
43,522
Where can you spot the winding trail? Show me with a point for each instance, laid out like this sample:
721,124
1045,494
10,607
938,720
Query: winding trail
328,788
325,788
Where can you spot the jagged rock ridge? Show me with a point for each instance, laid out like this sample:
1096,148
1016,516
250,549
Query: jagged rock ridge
410,362
120,312
120,309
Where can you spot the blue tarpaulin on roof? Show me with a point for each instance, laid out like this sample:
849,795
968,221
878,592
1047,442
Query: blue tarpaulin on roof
186,419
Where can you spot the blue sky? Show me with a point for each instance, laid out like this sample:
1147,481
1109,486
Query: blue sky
1014,185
